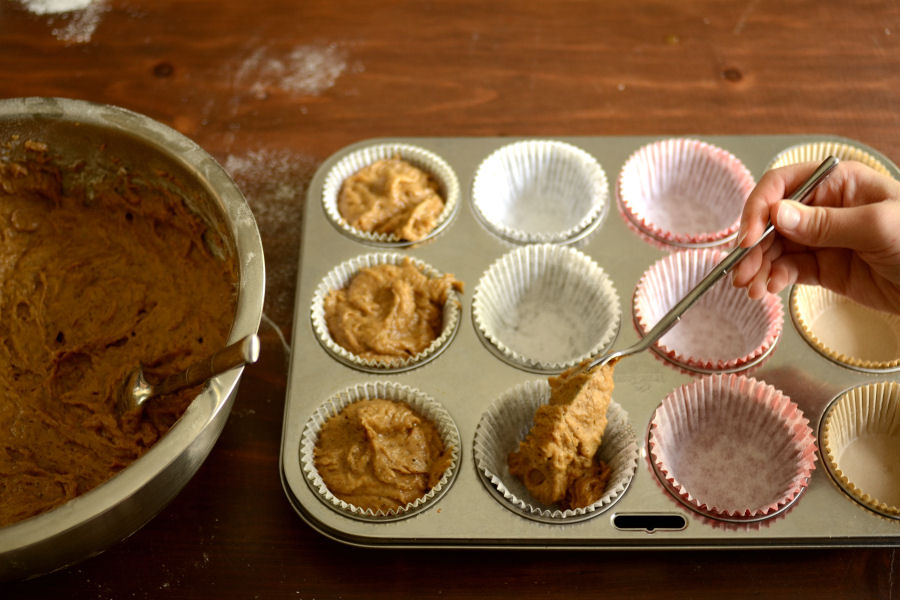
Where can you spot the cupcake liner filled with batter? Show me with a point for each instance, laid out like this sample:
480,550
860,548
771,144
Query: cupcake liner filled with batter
818,151
391,194
546,307
380,451
684,192
385,312
505,424
723,331
860,439
732,447
845,331
540,192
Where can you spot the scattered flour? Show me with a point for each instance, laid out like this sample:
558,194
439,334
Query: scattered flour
80,17
306,70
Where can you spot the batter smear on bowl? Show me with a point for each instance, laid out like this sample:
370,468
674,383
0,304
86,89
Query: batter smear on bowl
96,277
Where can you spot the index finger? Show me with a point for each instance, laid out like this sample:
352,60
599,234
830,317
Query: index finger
771,189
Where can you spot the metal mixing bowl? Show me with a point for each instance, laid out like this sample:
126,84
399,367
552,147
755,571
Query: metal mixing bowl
107,138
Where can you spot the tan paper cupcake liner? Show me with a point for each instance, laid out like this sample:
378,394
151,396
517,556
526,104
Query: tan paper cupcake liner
732,447
418,157
724,331
684,192
546,307
422,404
507,421
540,191
845,331
340,276
860,436
819,151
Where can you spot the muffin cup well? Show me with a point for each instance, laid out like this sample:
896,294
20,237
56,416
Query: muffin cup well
508,420
340,276
421,158
422,404
540,191
732,447
546,307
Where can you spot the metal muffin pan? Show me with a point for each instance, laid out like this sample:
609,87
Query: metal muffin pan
468,376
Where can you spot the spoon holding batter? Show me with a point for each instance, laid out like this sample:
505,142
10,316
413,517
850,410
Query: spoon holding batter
136,389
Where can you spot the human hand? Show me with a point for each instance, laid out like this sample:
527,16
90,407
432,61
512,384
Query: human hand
847,239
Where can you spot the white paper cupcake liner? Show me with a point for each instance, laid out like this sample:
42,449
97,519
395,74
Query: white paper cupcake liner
546,307
732,447
819,151
684,192
422,404
845,331
508,420
340,276
723,331
418,157
540,192
860,439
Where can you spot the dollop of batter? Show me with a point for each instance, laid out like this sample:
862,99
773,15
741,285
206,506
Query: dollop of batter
391,196
378,454
557,459
388,312
95,279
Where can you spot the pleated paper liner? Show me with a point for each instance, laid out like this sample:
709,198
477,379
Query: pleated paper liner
860,441
508,420
546,307
422,404
427,161
724,331
340,277
684,192
819,151
845,331
540,191
732,448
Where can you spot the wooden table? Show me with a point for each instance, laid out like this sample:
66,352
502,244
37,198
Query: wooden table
273,87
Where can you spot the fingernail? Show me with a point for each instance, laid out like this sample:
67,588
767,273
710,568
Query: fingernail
788,215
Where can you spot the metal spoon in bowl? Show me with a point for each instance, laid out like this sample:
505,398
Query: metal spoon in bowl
801,194
136,389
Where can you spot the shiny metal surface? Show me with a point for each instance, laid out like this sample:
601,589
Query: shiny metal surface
467,377
114,510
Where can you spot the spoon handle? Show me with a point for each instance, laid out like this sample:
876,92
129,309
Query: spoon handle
243,351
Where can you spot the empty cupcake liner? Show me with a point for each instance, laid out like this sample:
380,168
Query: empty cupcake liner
732,447
819,151
540,192
546,307
424,159
723,331
860,440
684,192
422,404
845,331
508,420
340,277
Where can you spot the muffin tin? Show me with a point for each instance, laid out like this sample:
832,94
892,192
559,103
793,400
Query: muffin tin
472,375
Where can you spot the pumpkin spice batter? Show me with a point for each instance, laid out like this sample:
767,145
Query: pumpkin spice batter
94,280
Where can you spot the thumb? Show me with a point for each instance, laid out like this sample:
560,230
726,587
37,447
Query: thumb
822,226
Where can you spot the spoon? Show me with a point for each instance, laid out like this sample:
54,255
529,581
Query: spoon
136,389
801,194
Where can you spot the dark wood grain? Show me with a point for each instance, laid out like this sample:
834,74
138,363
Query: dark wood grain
350,70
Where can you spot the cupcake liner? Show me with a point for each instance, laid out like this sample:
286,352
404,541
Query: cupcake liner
684,192
340,276
540,192
819,151
422,404
508,420
860,439
723,331
845,331
428,161
732,447
546,307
